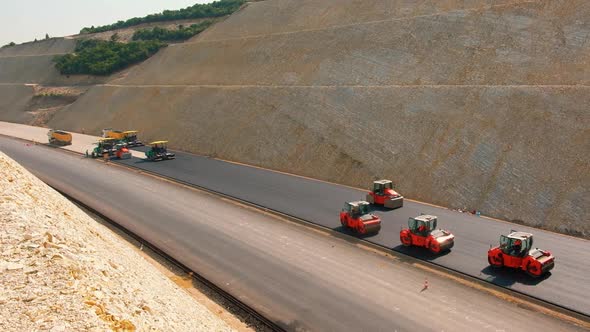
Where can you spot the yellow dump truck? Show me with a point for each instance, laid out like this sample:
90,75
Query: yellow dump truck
59,137
110,133
128,137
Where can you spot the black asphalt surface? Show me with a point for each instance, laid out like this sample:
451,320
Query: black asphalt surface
567,285
303,280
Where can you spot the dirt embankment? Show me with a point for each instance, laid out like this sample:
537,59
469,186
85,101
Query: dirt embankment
31,89
468,104
32,65
61,271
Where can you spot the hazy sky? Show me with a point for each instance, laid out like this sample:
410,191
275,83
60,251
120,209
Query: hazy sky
25,20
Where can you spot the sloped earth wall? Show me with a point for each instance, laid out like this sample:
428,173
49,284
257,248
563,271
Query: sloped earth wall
526,163
467,104
24,66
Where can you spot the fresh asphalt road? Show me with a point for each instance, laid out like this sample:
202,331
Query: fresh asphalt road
302,279
568,285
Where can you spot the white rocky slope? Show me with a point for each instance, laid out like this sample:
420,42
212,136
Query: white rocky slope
62,271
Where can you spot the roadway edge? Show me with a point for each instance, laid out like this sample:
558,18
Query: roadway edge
532,302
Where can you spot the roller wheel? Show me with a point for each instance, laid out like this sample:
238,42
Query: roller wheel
434,247
534,270
361,229
406,239
493,263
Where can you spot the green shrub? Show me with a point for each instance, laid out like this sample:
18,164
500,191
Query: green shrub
99,57
179,34
214,9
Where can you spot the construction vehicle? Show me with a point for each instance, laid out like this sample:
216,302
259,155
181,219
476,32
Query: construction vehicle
111,133
516,251
383,194
356,217
122,152
422,232
59,137
104,145
159,151
128,137
112,148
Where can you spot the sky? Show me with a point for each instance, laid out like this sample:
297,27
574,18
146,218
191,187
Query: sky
25,20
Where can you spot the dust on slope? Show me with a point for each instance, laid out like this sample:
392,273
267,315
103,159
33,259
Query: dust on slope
61,271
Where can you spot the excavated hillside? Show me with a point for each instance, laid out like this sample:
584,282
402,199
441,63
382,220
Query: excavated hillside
31,89
469,104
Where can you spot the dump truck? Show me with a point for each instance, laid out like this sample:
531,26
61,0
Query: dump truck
357,217
516,251
422,232
128,137
383,194
111,133
59,137
159,151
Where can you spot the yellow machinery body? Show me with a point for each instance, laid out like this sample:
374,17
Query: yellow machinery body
59,137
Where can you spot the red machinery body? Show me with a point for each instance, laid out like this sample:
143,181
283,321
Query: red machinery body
122,152
383,194
356,217
422,232
515,251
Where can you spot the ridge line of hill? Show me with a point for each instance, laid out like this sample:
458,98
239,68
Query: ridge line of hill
31,55
346,86
335,27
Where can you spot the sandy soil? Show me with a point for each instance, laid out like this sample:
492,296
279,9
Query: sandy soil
62,271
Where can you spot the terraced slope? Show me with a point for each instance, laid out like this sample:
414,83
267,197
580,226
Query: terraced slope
32,63
25,70
463,103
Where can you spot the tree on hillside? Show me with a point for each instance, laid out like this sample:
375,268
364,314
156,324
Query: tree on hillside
9,44
115,37
101,57
46,36
213,9
180,34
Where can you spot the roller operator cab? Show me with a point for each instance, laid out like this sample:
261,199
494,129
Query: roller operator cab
516,251
159,151
383,193
422,232
357,217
